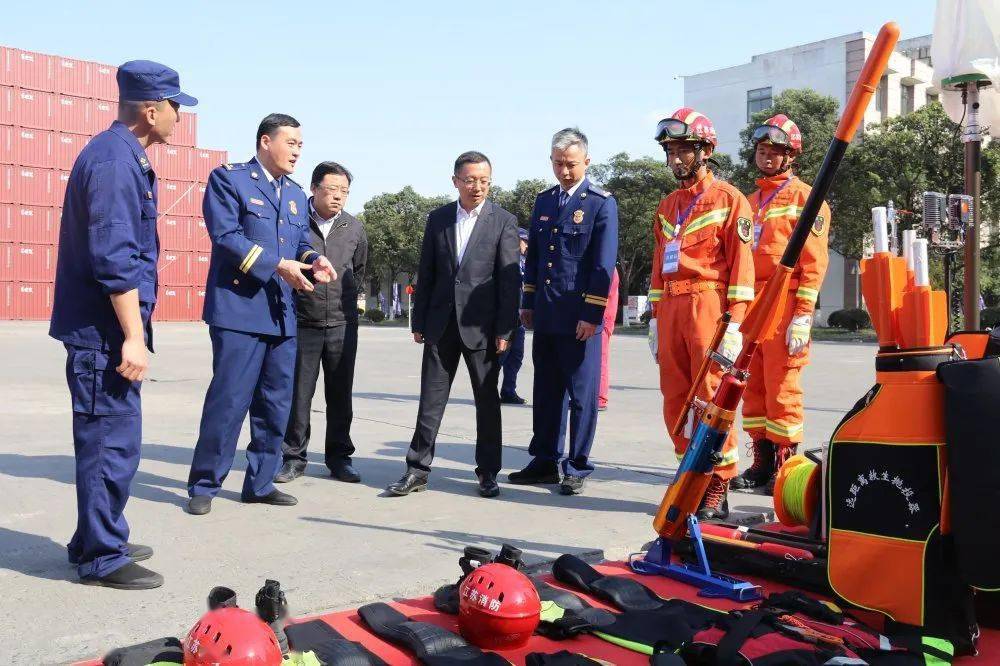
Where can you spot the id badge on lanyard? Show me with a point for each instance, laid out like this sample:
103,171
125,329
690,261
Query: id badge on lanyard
672,250
758,226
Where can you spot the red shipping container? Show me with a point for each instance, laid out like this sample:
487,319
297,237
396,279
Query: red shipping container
29,70
176,197
6,183
29,224
34,108
32,147
6,69
7,144
203,161
67,149
171,162
102,114
200,240
174,268
103,84
60,180
72,76
197,303
199,268
32,263
72,114
186,131
173,304
6,293
28,185
6,103
32,300
175,232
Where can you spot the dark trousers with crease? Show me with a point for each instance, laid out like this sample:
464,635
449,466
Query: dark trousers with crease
437,373
335,349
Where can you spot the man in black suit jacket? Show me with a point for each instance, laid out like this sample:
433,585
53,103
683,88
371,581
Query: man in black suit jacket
465,306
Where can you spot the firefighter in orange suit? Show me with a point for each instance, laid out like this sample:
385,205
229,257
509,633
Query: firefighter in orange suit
772,404
702,267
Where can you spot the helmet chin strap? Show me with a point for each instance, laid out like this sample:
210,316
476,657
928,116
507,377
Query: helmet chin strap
699,162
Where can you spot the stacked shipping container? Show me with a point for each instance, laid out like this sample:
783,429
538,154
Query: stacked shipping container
50,107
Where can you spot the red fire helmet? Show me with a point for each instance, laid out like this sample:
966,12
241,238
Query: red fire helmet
498,607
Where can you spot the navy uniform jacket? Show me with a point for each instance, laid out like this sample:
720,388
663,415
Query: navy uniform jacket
107,241
251,232
570,259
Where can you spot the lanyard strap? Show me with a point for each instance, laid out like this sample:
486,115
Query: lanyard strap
763,205
682,218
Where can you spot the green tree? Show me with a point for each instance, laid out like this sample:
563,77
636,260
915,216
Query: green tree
638,185
816,116
520,200
395,226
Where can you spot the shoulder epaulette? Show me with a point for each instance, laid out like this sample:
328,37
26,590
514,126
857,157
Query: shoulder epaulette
548,190
293,182
235,166
599,191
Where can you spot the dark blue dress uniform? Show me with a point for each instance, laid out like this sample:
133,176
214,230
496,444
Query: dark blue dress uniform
570,261
250,311
107,245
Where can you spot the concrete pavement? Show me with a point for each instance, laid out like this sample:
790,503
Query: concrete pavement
343,545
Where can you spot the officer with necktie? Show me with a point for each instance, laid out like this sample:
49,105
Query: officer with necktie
572,247
258,220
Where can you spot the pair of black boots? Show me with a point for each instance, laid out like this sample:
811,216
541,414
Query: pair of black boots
767,460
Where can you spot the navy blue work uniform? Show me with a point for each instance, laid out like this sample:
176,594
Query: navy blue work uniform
512,359
250,310
571,256
107,245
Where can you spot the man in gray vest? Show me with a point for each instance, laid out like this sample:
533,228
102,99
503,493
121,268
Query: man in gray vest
328,329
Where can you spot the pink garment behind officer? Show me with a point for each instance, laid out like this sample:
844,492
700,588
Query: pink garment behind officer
610,312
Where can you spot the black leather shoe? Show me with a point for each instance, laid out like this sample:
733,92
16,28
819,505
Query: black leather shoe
199,505
275,498
289,472
136,552
571,485
488,486
512,399
410,483
345,472
536,472
129,577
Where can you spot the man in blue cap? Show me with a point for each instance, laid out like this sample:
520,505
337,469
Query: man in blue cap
105,292
258,219
514,356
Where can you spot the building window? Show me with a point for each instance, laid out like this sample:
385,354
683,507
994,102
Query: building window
881,93
931,98
758,99
906,99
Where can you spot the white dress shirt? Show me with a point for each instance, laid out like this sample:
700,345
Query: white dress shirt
571,191
271,179
324,225
465,222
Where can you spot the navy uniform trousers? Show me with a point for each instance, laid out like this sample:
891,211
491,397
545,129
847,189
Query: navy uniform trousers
567,373
107,433
251,372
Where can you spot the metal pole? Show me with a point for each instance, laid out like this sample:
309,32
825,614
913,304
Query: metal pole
973,142
949,291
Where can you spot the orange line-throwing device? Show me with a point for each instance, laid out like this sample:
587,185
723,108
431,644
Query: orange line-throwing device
676,515
883,278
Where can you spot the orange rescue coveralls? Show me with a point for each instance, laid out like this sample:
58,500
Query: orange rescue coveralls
772,404
714,273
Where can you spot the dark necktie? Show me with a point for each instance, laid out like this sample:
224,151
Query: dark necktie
563,199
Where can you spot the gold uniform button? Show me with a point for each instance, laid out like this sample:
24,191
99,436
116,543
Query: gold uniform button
547,281
552,247
236,281
555,230
281,221
282,240
550,264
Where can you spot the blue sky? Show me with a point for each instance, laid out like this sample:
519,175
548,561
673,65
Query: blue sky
395,90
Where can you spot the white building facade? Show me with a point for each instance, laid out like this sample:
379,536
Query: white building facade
830,67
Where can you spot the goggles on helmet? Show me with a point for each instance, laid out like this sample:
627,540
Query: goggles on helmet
771,134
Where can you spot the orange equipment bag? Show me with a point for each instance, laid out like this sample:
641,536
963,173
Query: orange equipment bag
886,490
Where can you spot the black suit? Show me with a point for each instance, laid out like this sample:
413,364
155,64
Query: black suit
461,308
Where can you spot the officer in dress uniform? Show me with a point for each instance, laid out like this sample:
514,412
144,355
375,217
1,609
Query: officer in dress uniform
105,292
258,220
572,246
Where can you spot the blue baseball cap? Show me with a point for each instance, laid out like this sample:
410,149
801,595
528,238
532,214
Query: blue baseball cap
522,233
148,81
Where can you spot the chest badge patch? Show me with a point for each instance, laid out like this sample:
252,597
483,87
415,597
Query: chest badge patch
543,218
292,207
256,202
744,229
819,225
577,216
